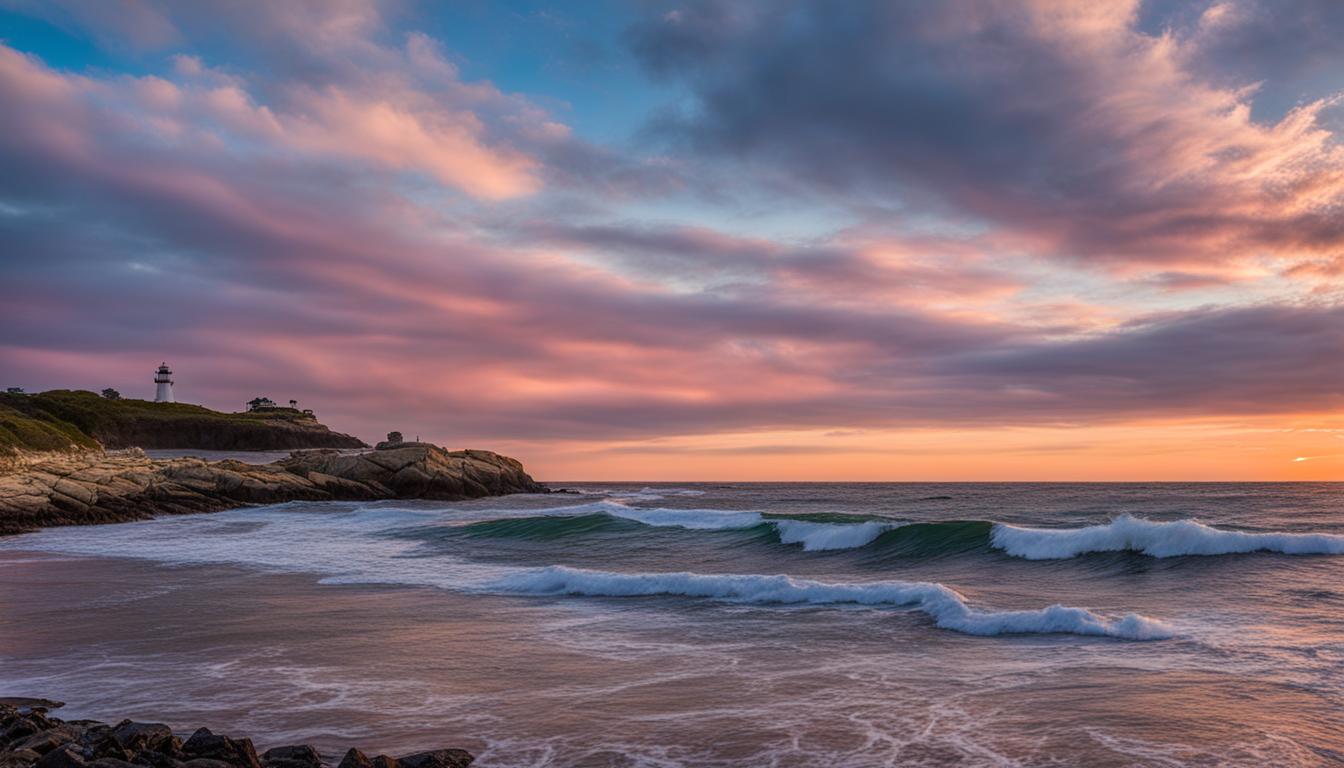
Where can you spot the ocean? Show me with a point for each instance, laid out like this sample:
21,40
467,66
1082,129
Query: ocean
723,624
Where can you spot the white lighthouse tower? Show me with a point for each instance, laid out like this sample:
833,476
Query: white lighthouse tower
163,384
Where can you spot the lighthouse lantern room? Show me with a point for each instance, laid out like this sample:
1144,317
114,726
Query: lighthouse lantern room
163,384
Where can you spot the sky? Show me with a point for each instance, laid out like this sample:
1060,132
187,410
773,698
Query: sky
1017,240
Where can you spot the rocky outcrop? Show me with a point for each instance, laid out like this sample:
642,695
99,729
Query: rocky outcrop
90,488
31,738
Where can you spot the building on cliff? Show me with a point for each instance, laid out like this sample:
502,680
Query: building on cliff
163,384
267,404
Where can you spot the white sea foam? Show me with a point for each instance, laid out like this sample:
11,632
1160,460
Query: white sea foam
695,519
814,536
348,546
821,536
944,605
1157,539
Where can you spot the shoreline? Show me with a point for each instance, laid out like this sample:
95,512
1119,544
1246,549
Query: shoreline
32,738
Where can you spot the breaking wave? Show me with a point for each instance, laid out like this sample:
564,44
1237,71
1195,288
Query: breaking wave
813,534
1156,539
352,545
821,536
944,605
885,537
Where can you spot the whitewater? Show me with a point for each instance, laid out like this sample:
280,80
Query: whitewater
373,544
1173,538
742,624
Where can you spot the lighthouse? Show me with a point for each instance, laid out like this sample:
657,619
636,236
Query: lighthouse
163,384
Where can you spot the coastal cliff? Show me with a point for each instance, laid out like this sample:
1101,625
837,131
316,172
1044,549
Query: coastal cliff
71,420
90,487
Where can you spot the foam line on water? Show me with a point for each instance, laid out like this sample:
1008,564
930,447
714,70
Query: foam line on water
1155,538
694,519
813,536
823,536
672,491
944,605
647,493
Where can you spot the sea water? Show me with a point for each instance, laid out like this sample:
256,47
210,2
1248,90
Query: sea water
716,624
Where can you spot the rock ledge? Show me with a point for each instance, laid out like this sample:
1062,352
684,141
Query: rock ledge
94,487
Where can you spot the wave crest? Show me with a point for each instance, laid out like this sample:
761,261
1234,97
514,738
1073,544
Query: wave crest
944,605
1156,539
893,538
813,535
823,536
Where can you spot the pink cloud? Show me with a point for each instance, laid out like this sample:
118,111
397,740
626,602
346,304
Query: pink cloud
393,131
446,144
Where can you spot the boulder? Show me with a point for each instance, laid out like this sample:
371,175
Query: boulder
68,756
19,758
26,704
355,759
235,752
23,726
137,737
299,756
439,758
205,762
154,759
45,741
98,742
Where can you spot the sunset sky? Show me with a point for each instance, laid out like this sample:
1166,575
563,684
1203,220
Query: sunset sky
698,240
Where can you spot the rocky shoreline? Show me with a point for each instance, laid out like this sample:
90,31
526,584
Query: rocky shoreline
91,487
32,738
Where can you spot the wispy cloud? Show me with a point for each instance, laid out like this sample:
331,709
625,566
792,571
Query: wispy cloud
875,217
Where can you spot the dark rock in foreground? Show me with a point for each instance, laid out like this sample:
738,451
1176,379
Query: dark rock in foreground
30,738
89,488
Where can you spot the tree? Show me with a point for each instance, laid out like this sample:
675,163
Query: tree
111,394
14,390
394,437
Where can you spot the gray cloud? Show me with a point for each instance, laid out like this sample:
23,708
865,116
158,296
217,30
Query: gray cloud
1068,126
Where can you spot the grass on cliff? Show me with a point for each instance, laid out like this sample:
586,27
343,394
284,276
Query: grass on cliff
35,429
63,419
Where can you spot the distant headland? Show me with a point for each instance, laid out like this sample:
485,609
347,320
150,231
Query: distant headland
73,458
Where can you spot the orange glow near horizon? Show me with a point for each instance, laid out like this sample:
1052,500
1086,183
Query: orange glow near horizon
1173,452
